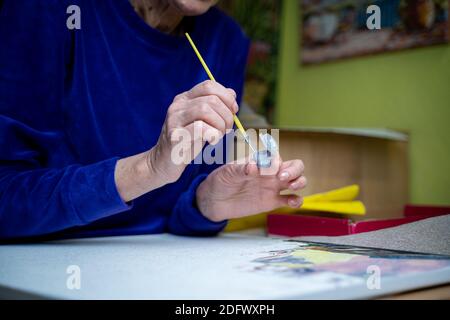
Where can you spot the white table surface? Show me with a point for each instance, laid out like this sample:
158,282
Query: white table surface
162,267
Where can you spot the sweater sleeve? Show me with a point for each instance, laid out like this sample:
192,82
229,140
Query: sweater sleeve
36,197
41,201
186,218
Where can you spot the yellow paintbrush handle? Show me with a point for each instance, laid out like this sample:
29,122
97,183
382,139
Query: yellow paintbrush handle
210,75
199,56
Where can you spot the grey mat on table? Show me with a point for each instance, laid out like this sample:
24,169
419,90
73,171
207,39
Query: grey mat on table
430,235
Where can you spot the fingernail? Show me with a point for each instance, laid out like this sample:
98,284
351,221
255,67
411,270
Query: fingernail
294,203
295,186
284,176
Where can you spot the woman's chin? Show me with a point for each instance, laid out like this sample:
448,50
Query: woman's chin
192,7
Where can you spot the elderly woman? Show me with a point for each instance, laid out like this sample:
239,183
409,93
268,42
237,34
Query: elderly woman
86,118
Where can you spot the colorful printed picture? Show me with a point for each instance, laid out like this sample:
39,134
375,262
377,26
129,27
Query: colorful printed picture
310,258
337,29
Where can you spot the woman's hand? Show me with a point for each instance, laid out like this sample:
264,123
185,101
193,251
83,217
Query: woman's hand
238,190
202,114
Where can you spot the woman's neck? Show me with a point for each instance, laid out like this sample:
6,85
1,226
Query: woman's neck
158,14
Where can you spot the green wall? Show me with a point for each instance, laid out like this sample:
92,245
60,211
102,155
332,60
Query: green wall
407,90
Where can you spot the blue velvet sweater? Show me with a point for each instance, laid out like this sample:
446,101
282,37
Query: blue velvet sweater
73,102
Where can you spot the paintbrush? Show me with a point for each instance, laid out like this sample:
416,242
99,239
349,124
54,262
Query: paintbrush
211,77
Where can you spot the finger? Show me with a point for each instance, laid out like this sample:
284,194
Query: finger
199,109
208,88
297,184
200,130
219,107
252,170
245,167
274,166
292,201
291,170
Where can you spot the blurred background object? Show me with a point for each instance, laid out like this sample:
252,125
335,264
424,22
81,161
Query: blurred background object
260,21
406,90
336,29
